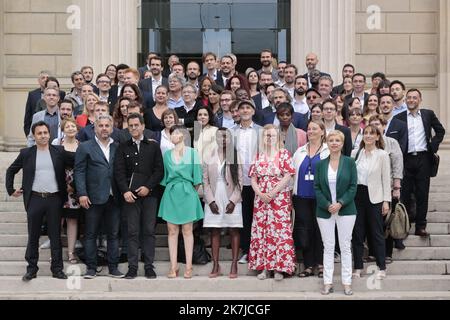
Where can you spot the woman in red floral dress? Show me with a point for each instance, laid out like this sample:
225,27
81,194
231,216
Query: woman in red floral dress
272,245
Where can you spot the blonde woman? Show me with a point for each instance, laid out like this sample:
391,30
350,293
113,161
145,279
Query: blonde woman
88,116
335,187
272,246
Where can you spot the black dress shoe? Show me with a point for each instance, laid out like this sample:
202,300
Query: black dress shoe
131,274
29,276
422,233
150,274
398,244
59,275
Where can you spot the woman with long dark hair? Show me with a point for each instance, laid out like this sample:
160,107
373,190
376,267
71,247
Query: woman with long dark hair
222,185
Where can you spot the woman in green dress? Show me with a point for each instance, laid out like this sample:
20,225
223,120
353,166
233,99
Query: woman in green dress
180,204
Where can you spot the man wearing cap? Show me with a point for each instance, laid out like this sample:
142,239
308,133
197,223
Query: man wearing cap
246,138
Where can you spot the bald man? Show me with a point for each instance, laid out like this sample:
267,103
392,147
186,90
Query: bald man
312,60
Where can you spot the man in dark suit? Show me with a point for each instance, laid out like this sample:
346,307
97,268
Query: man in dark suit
94,164
88,132
329,118
44,191
138,171
311,64
34,97
395,128
347,72
210,61
143,69
418,159
150,84
359,82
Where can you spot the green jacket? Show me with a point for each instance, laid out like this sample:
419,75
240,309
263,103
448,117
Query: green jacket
346,185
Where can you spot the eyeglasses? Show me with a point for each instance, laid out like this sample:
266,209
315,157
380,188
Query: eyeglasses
311,97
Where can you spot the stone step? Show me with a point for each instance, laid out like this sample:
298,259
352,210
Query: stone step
13,217
162,254
434,228
398,283
239,296
12,206
17,268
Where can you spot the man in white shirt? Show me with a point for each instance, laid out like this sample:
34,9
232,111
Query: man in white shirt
246,137
227,68
301,86
290,72
419,159
281,67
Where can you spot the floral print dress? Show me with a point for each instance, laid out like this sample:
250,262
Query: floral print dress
272,245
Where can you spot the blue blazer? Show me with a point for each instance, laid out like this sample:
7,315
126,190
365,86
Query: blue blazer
398,130
94,175
300,121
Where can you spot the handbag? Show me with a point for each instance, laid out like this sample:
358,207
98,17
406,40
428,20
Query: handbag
435,159
200,255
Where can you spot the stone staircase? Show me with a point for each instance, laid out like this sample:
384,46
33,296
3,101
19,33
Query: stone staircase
422,271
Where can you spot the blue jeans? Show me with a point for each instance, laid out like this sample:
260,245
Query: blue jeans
94,216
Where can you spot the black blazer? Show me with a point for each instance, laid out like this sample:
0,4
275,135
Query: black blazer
94,176
146,85
124,135
147,162
348,146
30,108
218,81
398,130
300,121
188,117
430,121
27,162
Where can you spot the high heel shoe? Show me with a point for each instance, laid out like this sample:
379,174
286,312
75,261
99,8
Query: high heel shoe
188,273
348,290
173,273
215,274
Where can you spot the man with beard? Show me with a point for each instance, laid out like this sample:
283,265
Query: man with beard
290,72
147,65
299,104
311,64
281,67
395,128
88,74
193,72
347,71
398,90
227,68
150,84
266,62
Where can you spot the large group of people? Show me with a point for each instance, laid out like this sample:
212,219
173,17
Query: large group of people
295,168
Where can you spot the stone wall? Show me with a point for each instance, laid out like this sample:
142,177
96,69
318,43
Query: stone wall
405,47
34,38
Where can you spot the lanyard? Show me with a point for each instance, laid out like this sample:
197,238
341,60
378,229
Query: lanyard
310,159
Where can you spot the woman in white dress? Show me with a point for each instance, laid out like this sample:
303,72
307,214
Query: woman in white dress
222,183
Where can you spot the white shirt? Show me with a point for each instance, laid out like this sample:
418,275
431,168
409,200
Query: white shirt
106,150
166,144
155,84
331,129
246,140
364,162
301,107
138,143
291,91
264,101
332,179
417,141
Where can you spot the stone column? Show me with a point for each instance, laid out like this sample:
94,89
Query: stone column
325,27
444,69
108,34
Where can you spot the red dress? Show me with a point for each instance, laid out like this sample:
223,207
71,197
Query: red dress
272,245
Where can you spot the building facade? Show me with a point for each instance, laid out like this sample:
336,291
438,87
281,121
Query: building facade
407,40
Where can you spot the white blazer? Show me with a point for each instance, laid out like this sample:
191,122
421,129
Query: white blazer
379,180
300,156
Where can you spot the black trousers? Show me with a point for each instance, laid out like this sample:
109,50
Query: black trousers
389,242
369,221
39,208
141,217
306,232
248,200
417,180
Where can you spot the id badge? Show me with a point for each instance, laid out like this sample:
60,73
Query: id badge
309,177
